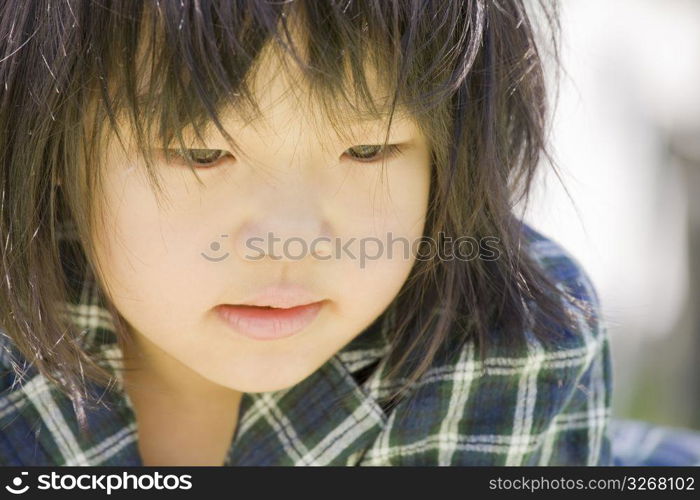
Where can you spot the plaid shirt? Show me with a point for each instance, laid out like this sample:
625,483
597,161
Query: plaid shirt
548,406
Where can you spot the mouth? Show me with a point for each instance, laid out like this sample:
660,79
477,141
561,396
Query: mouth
267,322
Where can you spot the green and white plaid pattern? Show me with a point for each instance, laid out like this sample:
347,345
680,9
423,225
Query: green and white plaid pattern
547,406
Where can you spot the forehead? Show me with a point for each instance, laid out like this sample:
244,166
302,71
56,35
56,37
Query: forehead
285,102
282,93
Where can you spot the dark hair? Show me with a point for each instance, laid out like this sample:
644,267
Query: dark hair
469,71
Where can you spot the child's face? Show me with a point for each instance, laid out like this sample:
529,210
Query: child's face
166,275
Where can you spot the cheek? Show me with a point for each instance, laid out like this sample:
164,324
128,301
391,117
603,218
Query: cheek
391,207
151,263
385,222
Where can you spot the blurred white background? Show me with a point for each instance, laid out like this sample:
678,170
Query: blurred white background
626,135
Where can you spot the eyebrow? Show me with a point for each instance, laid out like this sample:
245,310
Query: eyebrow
355,119
370,118
351,116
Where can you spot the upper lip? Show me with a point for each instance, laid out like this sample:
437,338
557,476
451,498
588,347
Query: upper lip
281,296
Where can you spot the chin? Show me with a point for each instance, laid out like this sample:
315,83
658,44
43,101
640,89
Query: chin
265,379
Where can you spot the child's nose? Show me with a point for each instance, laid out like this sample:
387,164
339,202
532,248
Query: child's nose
292,227
284,239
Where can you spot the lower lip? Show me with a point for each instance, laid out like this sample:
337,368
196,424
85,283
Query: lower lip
262,323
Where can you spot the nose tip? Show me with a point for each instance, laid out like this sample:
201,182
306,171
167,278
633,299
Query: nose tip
285,221
285,245
322,248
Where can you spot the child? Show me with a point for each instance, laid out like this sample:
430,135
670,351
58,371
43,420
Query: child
215,218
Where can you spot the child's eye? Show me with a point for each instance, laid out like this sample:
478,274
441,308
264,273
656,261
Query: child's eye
372,153
205,158
200,157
